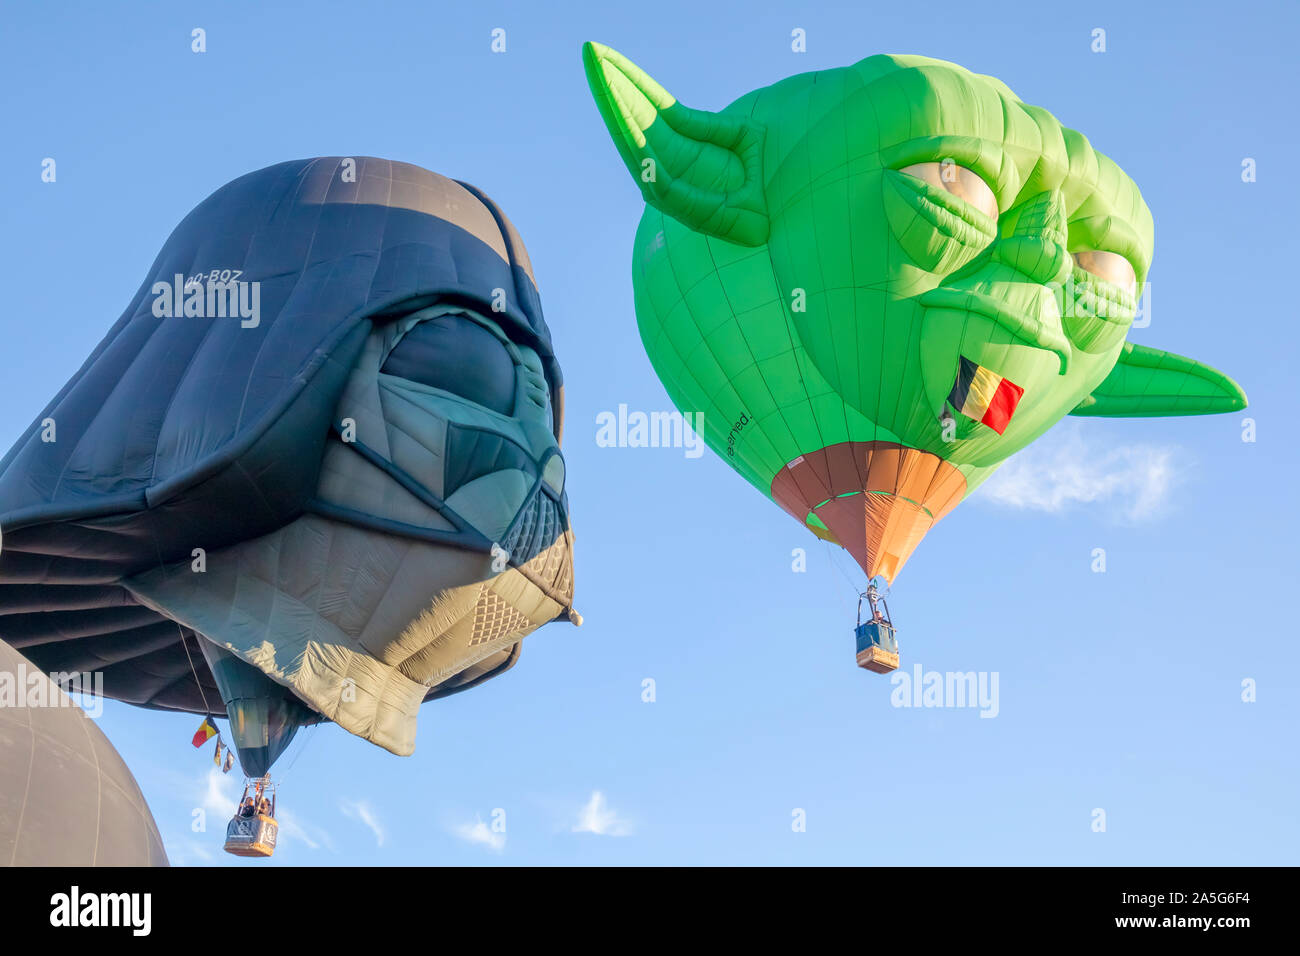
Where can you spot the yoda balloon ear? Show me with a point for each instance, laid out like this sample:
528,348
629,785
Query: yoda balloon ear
1147,383
703,169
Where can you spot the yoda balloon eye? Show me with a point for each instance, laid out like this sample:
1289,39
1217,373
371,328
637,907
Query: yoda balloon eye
958,180
1110,266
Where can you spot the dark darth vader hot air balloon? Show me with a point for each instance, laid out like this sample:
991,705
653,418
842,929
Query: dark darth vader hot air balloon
313,472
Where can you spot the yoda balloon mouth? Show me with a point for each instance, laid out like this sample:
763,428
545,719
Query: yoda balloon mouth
900,274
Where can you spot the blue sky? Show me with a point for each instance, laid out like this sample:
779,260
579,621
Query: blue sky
1119,690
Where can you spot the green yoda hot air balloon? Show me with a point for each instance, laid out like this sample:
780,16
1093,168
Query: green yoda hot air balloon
879,282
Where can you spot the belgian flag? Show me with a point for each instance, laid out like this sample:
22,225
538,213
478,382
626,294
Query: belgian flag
984,395
207,730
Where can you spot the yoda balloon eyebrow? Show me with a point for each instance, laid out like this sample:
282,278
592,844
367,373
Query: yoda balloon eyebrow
878,282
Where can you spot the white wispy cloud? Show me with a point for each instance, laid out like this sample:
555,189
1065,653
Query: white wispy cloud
296,828
363,811
187,852
218,796
1067,470
482,834
211,792
597,817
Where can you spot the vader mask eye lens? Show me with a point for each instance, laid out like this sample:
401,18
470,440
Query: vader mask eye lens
457,355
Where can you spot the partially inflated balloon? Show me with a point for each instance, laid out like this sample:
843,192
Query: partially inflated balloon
878,282
67,798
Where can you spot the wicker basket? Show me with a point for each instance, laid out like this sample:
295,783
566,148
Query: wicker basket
252,836
878,660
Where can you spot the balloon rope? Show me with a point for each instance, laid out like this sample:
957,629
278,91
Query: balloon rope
832,557
162,566
303,741
198,683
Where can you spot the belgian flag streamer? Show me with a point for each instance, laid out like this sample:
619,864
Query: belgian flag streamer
985,396
207,730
